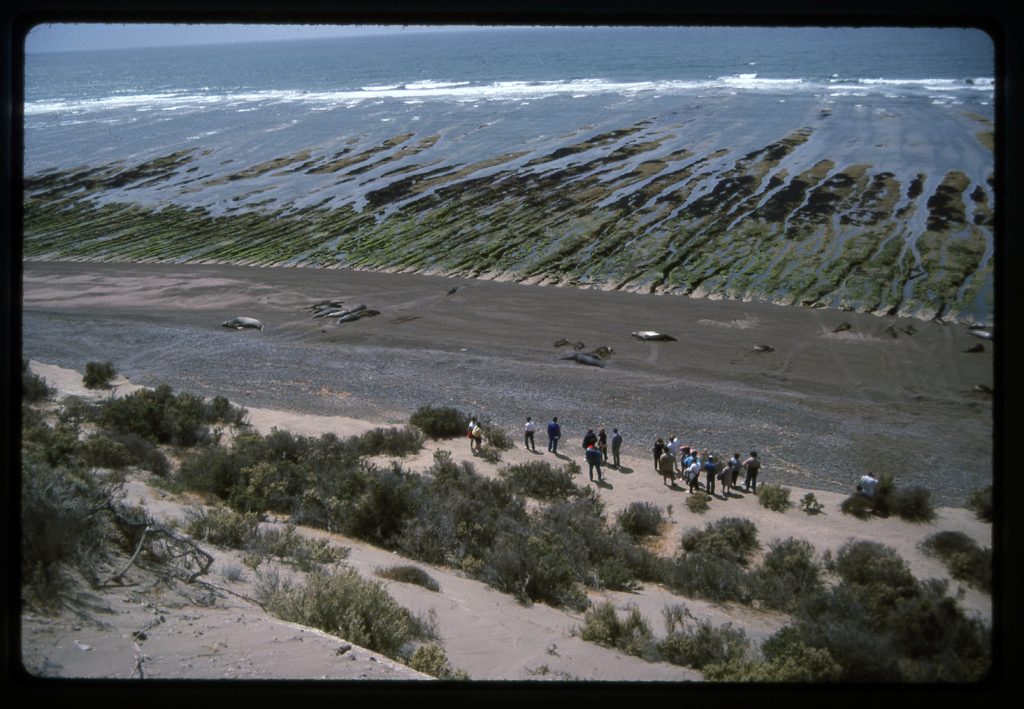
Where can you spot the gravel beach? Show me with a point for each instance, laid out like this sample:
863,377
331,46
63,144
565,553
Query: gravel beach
823,405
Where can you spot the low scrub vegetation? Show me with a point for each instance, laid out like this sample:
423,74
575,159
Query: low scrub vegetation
34,388
341,602
409,574
965,559
912,504
632,635
856,615
538,479
98,375
809,504
440,421
774,497
641,519
980,502
699,502
699,643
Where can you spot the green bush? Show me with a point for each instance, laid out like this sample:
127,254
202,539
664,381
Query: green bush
698,643
880,500
788,659
409,574
291,547
64,524
912,504
211,471
440,421
54,446
431,659
102,452
809,504
601,624
391,441
774,497
705,575
33,387
980,502
223,527
732,538
699,502
341,602
490,453
142,451
538,479
98,375
871,563
496,436
963,557
857,505
787,575
641,519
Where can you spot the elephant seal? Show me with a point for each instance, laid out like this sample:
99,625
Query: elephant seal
910,329
892,331
603,352
452,291
329,313
651,335
578,346
357,314
325,304
562,343
584,358
976,348
983,334
243,323
982,389
763,348
842,326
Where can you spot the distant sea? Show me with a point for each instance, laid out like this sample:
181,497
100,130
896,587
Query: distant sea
85,106
374,123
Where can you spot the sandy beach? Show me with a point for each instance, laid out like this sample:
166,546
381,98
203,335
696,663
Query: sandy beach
824,405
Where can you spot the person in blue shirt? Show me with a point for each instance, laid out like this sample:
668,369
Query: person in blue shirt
554,433
709,470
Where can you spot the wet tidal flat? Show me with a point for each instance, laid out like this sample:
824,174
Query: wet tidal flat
837,393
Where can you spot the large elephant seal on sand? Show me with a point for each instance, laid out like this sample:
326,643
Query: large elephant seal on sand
243,323
584,358
656,336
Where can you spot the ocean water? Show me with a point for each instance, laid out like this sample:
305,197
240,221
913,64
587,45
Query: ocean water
80,106
376,124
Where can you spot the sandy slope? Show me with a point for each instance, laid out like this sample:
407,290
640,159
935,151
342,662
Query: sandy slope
485,633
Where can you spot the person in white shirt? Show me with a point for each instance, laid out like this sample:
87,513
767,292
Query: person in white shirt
867,484
530,428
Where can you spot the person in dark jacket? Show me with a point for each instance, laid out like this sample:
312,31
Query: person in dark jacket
554,433
594,461
752,465
659,448
616,446
590,439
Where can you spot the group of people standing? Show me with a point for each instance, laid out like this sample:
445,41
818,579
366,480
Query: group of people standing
670,459
673,457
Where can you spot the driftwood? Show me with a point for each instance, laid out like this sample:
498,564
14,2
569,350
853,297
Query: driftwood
185,558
